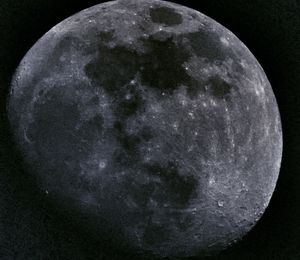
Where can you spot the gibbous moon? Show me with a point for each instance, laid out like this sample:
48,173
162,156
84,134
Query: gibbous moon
151,125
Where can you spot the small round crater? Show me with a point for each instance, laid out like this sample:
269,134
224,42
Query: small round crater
102,164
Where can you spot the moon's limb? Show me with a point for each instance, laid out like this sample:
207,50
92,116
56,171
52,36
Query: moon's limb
151,118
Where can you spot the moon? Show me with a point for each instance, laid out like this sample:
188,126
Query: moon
151,125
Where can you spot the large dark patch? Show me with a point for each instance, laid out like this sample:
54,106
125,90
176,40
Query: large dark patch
165,15
55,130
175,187
113,67
219,87
163,65
161,68
205,44
155,233
106,36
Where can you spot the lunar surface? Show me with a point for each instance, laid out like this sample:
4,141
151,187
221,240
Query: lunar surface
151,125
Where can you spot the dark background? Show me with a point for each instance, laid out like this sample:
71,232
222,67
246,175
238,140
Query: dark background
271,30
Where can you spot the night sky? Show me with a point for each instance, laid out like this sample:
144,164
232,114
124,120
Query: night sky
29,226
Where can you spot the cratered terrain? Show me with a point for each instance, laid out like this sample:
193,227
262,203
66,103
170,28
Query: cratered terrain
150,125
